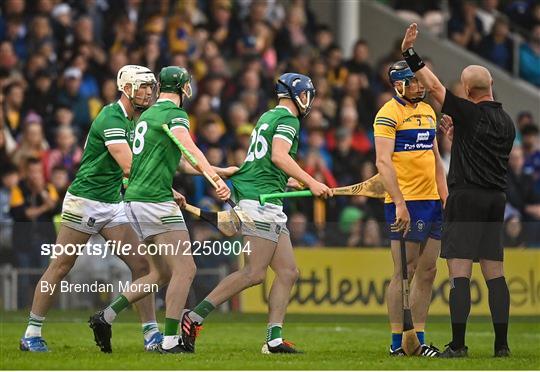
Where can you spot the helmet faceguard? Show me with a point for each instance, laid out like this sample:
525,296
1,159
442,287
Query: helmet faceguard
291,85
400,73
136,76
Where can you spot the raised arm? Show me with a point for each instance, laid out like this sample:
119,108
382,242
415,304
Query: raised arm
422,72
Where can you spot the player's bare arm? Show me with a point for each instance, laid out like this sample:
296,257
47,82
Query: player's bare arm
423,74
185,139
282,159
223,172
384,151
440,174
122,155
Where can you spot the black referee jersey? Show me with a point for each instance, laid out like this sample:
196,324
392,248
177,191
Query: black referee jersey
483,137
473,217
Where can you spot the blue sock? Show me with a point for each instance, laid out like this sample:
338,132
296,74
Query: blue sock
396,341
421,337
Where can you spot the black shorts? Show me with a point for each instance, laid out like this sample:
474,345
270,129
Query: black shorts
473,224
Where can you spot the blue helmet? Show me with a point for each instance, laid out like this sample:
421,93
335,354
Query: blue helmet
291,85
401,72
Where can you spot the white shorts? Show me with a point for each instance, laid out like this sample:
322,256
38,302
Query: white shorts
149,219
270,220
90,216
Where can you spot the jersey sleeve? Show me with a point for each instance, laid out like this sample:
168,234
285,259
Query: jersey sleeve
287,129
461,110
112,131
385,123
178,119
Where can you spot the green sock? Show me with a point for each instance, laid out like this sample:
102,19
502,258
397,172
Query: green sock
119,303
273,332
171,327
204,308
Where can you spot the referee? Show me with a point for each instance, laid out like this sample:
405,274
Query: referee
483,134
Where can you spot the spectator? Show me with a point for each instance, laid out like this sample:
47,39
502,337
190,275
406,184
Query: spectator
70,96
346,160
60,179
488,13
33,143
359,64
13,105
529,58
300,236
39,95
292,36
32,204
498,47
521,194
531,148
465,27
66,153
10,179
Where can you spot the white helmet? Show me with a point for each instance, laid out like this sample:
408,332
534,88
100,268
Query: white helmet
134,75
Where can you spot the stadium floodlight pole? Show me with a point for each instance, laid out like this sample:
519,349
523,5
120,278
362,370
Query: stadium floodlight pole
372,188
409,343
242,216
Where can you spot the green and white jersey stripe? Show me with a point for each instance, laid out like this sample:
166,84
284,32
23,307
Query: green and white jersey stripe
258,175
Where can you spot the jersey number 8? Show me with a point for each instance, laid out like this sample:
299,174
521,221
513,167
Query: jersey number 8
258,146
138,141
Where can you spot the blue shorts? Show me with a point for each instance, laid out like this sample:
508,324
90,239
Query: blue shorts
426,220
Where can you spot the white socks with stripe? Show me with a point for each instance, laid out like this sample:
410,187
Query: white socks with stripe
35,322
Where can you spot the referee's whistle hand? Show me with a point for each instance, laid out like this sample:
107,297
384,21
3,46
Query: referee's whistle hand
447,126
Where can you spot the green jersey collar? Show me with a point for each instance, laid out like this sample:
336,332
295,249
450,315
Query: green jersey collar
123,108
166,99
286,108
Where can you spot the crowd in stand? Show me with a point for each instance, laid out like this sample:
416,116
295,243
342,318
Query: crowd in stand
490,28
58,64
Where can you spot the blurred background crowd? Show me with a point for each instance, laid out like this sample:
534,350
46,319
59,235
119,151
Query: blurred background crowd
58,64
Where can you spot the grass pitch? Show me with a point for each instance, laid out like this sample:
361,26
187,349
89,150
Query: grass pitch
233,341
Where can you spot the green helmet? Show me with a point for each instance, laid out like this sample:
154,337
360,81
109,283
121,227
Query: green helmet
172,80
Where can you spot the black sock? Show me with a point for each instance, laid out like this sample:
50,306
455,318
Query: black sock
499,305
460,307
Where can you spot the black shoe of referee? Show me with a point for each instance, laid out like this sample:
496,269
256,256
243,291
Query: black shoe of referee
502,351
461,352
102,331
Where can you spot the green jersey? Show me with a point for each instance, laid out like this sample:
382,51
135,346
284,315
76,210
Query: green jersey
100,177
258,175
155,156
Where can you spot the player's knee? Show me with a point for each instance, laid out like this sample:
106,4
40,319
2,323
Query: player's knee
427,274
184,272
61,268
254,276
139,268
289,274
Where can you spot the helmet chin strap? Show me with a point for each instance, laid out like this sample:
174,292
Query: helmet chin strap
402,94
